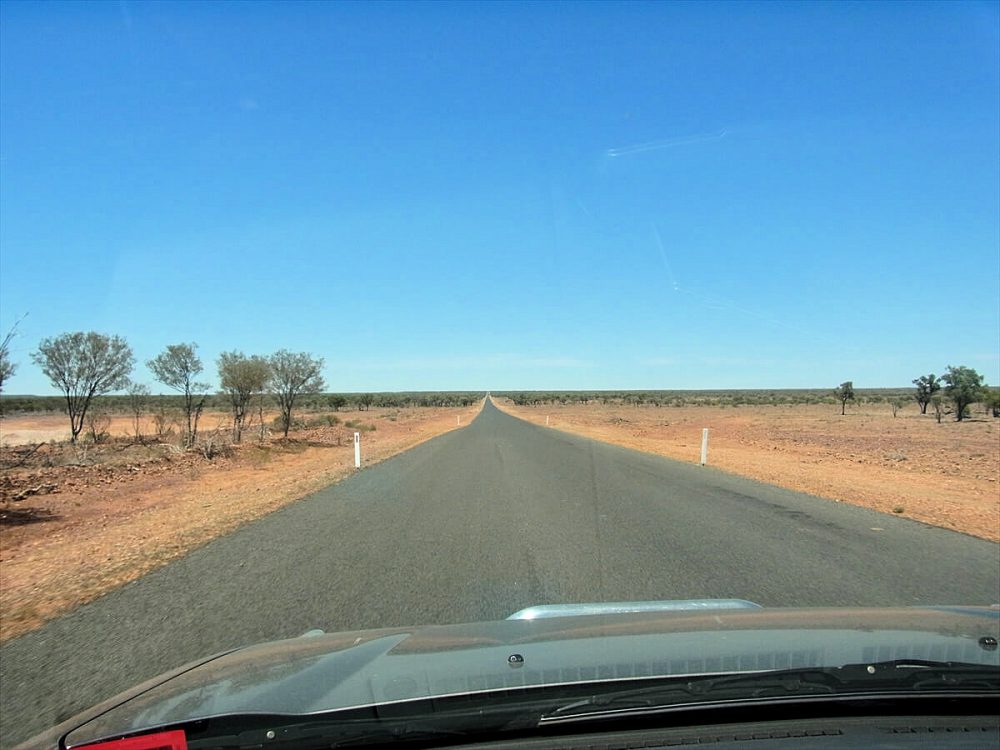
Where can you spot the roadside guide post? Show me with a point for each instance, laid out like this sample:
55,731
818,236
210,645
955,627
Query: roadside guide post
704,446
357,450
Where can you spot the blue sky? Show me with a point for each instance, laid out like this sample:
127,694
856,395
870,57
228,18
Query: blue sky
509,196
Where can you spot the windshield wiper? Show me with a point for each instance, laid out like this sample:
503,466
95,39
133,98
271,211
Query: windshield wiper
901,675
462,718
323,732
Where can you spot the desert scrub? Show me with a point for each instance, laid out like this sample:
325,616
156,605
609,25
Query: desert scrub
359,426
323,420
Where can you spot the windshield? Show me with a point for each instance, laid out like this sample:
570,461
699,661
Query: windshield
350,316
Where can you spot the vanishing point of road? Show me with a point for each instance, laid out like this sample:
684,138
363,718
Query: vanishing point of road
474,525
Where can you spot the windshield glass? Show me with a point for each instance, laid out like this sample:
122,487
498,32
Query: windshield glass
342,316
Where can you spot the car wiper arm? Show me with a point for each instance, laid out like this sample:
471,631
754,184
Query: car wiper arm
443,722
909,675
921,673
326,732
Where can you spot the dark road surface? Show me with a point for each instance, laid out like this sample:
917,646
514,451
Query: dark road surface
474,525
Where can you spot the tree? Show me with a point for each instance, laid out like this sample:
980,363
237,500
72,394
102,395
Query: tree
138,400
938,403
964,386
992,401
365,401
292,374
337,402
927,386
84,365
7,366
177,367
844,393
241,378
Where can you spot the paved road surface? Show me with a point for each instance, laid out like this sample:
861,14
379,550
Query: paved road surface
474,525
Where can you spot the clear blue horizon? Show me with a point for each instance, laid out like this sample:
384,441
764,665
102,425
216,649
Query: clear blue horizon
508,196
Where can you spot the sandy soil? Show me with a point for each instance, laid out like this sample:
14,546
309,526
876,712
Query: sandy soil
69,533
942,474
41,428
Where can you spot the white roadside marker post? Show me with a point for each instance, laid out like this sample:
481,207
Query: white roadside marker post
704,446
458,420
357,450
546,420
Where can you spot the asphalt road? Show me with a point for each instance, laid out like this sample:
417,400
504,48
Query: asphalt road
474,525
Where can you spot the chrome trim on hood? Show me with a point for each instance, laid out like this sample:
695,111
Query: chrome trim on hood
541,611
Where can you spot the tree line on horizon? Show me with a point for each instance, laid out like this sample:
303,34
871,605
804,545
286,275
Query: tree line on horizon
962,383
962,386
87,365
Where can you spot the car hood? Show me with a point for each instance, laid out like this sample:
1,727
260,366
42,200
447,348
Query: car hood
320,672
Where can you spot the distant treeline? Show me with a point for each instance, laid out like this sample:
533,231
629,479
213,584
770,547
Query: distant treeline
115,404
789,397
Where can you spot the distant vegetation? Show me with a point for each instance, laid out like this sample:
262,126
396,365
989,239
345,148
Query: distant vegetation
736,397
89,368
894,398
844,393
313,402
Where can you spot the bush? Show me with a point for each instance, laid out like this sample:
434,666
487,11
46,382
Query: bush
356,425
279,426
322,420
98,425
164,423
213,445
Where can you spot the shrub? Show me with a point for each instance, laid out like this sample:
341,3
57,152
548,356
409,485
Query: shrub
322,420
278,425
98,425
360,427
213,445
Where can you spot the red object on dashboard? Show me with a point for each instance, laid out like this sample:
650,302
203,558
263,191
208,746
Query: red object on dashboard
172,740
